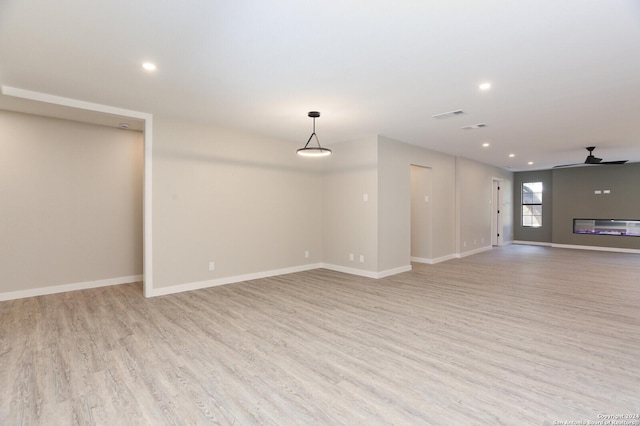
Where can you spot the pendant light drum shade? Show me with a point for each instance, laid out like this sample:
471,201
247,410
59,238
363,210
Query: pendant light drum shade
313,151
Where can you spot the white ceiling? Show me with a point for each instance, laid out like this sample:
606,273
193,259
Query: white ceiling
565,74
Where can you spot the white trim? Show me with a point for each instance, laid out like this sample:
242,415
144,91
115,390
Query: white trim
347,270
443,258
433,261
394,271
147,255
596,248
367,274
532,243
230,280
11,295
265,274
147,232
72,103
472,252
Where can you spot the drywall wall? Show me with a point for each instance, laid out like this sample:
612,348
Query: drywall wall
541,234
350,211
228,204
71,209
394,206
474,185
247,203
573,197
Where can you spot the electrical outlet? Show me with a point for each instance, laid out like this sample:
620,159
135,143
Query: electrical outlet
306,253
351,257
212,266
362,258
365,197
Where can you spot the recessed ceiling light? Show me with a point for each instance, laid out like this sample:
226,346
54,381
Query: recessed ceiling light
149,66
530,163
486,144
124,125
511,155
485,86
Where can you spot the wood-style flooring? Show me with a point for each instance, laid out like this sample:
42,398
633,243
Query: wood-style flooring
519,335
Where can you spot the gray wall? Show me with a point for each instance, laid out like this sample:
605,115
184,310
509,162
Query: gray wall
71,202
573,197
543,233
569,193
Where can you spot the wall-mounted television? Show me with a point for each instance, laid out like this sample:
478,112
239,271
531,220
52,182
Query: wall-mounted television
620,227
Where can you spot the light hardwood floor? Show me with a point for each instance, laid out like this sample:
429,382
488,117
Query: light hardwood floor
520,335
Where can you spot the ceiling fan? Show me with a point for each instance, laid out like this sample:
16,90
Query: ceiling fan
593,160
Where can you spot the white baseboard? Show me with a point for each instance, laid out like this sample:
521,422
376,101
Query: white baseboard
230,280
352,271
394,271
11,295
472,252
265,274
596,248
367,274
532,243
433,261
196,285
443,258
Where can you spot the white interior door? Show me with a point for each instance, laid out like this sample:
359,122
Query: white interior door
496,214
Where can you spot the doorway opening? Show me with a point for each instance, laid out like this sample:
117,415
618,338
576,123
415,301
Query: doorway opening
421,215
59,107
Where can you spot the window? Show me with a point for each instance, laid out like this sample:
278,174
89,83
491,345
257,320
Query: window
532,204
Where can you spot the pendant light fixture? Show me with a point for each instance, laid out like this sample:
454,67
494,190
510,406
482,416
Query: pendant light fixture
314,151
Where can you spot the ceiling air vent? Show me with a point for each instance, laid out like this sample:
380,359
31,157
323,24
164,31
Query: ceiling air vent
474,126
448,114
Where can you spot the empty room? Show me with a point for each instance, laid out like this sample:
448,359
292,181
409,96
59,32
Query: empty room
329,213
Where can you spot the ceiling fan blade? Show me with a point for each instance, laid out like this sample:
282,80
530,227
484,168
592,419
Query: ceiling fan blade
591,160
568,165
614,162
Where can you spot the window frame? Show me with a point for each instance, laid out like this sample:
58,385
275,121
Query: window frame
526,205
